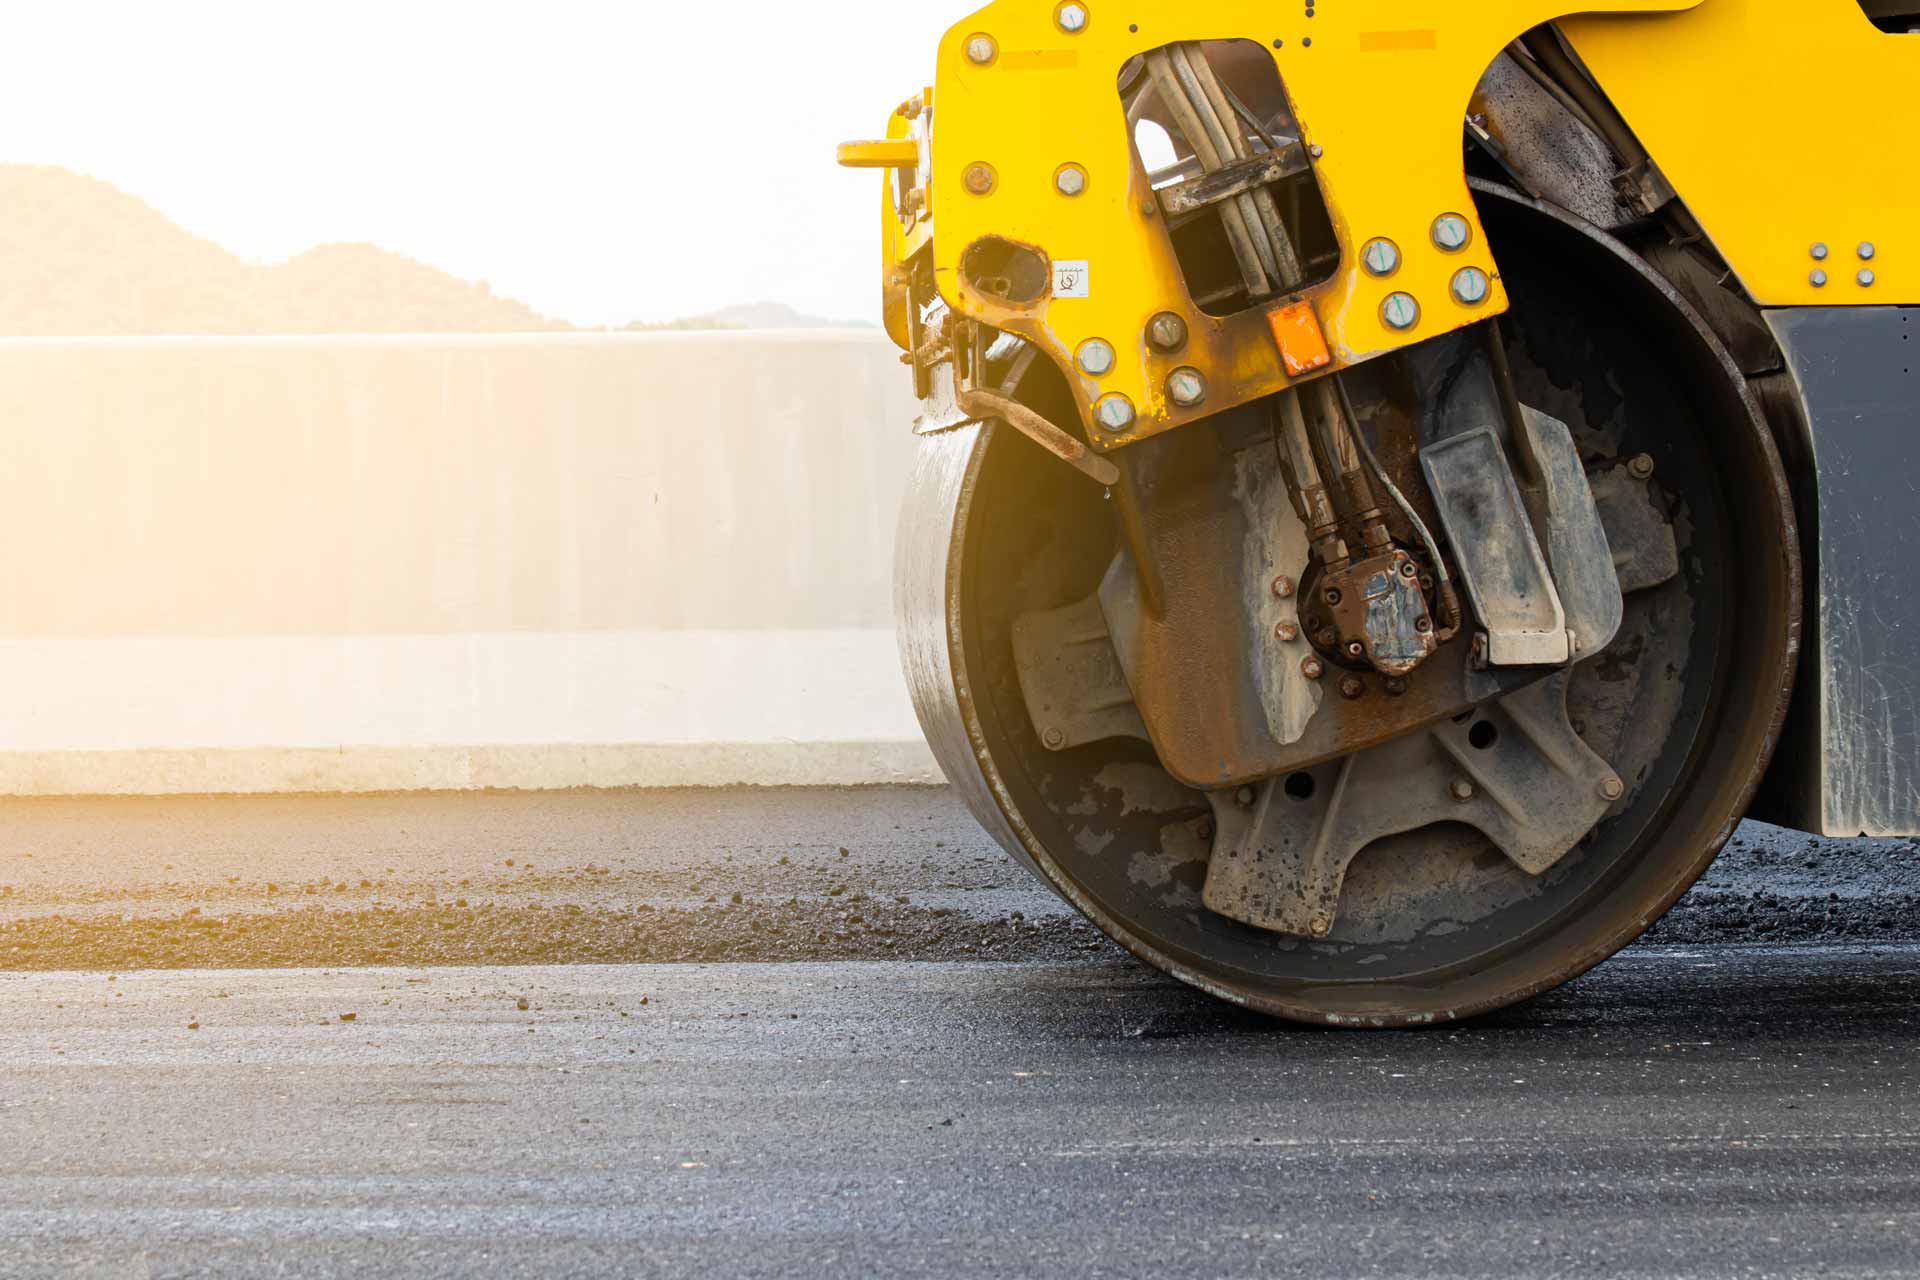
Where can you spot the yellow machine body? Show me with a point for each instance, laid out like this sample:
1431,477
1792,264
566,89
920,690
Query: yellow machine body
1379,89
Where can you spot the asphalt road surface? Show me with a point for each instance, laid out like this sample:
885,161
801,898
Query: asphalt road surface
1689,1111
356,1036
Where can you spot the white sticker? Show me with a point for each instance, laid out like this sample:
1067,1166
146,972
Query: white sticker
1070,279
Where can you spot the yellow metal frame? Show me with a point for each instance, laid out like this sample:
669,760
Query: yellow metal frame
1380,89
1782,126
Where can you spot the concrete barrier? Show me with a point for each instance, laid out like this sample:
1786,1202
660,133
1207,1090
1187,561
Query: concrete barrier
344,563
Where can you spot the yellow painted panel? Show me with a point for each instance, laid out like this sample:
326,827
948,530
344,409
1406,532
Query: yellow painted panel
1782,126
1381,87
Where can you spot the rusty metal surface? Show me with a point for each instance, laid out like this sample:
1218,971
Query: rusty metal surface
1378,613
1429,930
1075,688
1191,195
1515,770
1639,537
1206,659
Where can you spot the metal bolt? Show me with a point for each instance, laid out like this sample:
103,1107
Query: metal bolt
1186,387
1381,257
1423,623
1113,411
1408,569
1326,638
1095,356
1167,331
1612,789
1450,232
979,178
980,50
1866,250
1400,311
1460,789
1310,667
1321,926
1053,737
1641,466
1071,180
1865,278
1819,251
1352,686
1243,797
1071,17
1313,149
1286,630
1816,277
1283,586
1355,648
1396,685
1206,828
1470,286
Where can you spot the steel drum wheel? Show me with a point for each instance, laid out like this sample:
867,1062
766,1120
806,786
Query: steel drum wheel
1435,924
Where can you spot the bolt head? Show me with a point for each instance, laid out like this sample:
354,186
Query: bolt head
1408,569
1071,17
1113,411
1321,926
1355,648
1460,789
1352,686
1310,667
1470,286
1400,311
978,178
1095,357
1053,737
1186,387
1381,257
1865,278
1819,251
1396,685
1816,277
1451,232
1243,797
1071,180
1423,624
1167,331
1865,250
1286,630
1331,595
1641,466
981,50
1283,586
1612,789
1314,148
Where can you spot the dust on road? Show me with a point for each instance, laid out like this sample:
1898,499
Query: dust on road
698,875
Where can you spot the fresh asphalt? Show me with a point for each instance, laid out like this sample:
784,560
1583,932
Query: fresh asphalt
1722,1106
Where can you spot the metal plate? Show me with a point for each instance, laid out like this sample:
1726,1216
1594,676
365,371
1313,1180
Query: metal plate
1859,375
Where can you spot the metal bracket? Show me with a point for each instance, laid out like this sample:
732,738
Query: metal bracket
1515,770
1500,559
1532,613
1071,678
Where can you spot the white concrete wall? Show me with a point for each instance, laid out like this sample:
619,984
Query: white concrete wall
390,563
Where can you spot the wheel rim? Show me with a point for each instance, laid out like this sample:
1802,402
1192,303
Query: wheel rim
1106,828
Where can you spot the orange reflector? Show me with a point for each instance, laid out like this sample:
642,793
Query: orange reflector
1296,331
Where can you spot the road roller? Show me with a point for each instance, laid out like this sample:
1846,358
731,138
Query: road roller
1397,481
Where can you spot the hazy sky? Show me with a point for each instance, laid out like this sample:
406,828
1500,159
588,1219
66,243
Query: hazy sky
603,162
